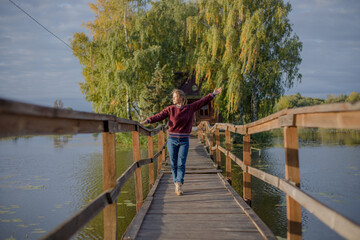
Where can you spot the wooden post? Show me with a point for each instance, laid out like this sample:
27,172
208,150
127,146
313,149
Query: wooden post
109,181
211,145
138,177
292,174
151,165
228,159
218,156
247,176
161,143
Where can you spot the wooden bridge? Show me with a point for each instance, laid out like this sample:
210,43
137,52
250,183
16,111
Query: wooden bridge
210,208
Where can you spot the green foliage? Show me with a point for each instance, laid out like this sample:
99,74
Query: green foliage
353,97
246,47
157,92
294,101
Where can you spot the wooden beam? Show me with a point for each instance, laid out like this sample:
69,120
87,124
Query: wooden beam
109,182
218,156
347,120
21,125
68,228
292,174
246,176
138,177
228,159
211,144
161,142
264,126
334,220
151,165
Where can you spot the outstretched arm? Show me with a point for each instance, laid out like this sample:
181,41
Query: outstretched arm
157,117
205,100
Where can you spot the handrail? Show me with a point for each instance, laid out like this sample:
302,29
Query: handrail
86,214
19,119
342,115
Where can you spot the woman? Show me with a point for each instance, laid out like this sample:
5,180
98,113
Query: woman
180,125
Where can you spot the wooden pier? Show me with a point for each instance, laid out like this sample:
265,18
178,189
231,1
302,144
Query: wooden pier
208,209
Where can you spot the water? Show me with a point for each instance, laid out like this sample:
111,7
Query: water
45,180
329,172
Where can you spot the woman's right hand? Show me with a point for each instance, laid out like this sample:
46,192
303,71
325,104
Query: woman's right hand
143,122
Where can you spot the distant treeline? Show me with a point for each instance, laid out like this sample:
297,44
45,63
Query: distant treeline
294,101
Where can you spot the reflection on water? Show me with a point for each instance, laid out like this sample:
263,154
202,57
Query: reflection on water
45,180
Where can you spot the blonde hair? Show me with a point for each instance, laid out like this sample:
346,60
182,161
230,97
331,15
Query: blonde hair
181,94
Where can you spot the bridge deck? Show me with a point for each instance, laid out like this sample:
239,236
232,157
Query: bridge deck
209,208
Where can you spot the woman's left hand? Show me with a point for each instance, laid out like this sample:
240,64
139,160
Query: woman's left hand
217,90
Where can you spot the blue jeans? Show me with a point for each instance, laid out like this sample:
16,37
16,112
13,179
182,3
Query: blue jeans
178,150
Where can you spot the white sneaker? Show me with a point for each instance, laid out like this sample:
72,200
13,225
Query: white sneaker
178,189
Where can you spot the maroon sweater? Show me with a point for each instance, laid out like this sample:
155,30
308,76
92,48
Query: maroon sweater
181,118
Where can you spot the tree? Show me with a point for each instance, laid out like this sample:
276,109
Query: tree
156,95
353,97
129,41
247,46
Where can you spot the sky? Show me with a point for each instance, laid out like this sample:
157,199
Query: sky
37,68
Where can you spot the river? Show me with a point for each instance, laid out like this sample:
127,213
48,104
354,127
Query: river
45,180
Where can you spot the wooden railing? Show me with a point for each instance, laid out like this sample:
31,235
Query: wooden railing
343,116
19,119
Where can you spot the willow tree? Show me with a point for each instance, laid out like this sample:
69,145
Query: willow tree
248,47
129,40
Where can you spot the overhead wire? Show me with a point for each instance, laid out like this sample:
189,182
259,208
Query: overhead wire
16,5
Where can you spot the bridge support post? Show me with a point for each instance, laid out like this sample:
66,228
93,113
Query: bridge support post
247,176
211,145
161,142
292,174
228,159
218,156
151,165
138,177
109,181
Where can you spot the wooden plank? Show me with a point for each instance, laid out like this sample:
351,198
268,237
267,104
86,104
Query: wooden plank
151,165
138,177
136,223
120,182
259,224
198,234
332,107
109,182
21,125
246,176
79,220
218,156
263,127
228,159
346,120
25,109
161,144
292,173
